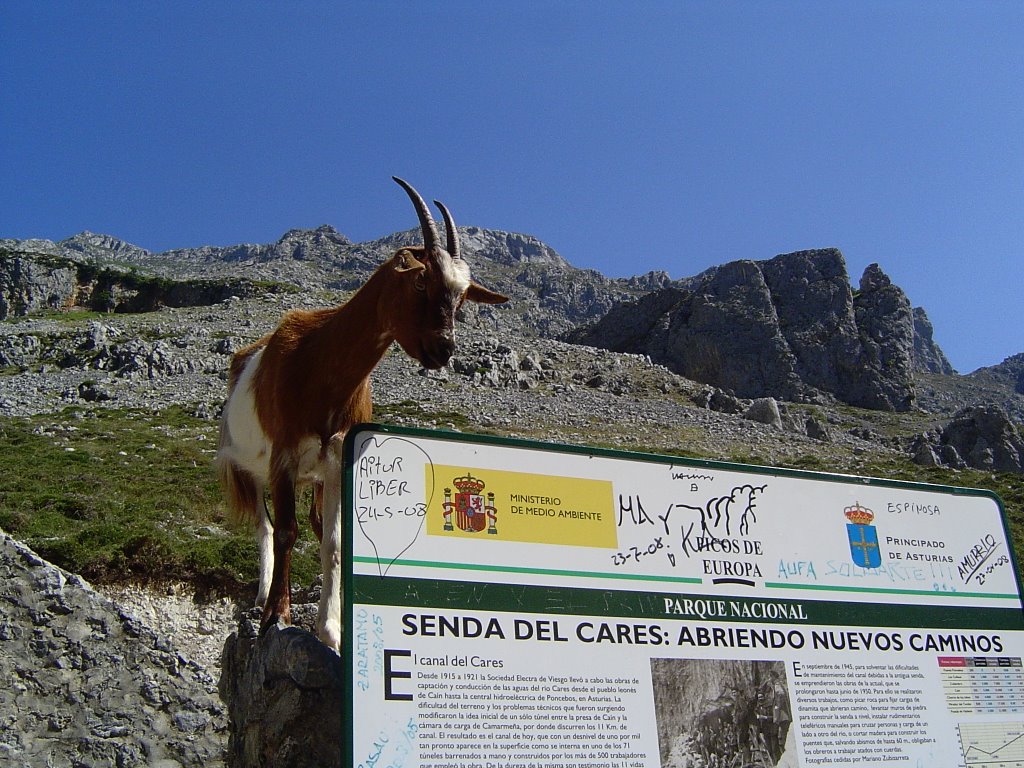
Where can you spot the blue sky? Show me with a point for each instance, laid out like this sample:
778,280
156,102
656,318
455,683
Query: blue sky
628,136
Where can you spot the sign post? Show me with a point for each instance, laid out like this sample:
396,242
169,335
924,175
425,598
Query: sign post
525,604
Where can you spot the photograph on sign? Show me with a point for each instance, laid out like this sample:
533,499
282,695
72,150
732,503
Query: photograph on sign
512,603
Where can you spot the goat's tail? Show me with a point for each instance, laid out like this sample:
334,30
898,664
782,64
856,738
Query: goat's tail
243,494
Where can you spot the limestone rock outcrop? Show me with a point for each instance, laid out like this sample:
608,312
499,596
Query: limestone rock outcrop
284,691
928,356
32,282
86,683
985,438
790,327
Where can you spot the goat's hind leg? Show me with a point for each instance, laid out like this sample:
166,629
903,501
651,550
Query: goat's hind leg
316,513
246,502
278,606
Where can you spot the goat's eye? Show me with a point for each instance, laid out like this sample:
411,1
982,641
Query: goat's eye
420,283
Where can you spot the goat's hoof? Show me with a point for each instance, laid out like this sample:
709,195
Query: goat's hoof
330,635
267,624
274,620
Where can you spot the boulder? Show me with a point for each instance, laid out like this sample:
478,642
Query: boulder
818,430
985,438
86,683
923,453
765,410
283,691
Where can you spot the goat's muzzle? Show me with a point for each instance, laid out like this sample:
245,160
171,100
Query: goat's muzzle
436,352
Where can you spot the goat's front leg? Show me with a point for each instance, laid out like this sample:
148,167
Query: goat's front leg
328,620
286,528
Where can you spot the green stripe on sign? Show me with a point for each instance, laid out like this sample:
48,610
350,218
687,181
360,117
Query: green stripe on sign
440,594
885,591
537,571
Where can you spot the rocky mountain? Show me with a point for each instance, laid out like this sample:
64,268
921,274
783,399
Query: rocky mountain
1000,385
92,245
33,282
790,327
1008,374
550,295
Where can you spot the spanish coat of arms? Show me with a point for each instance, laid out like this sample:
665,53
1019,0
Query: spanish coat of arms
471,512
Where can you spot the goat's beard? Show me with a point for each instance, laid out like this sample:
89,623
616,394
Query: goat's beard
433,361
431,353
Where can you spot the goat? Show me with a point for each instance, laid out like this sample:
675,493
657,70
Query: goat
294,394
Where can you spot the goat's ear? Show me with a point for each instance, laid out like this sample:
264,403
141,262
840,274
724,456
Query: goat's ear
405,261
481,295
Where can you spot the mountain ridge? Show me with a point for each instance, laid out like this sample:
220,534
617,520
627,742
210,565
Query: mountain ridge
550,296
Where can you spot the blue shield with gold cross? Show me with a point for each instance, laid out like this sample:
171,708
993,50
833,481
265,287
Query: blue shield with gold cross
863,537
864,545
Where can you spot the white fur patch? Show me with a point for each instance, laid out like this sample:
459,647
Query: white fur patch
456,275
249,447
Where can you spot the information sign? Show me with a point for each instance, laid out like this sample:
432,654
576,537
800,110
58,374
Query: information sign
523,604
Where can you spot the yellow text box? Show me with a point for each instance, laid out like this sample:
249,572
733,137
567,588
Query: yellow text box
516,506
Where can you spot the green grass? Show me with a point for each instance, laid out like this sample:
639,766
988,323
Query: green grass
132,496
127,496
70,316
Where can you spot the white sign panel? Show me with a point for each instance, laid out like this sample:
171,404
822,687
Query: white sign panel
522,604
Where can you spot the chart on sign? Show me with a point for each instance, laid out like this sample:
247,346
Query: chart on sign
516,603
994,745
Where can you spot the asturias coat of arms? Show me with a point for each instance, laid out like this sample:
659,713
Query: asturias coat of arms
863,536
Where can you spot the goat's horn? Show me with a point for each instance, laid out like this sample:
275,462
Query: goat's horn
454,250
430,237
